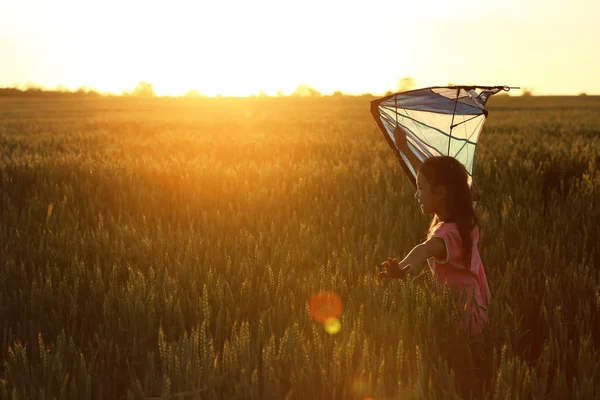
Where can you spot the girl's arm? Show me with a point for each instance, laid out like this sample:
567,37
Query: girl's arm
433,247
400,138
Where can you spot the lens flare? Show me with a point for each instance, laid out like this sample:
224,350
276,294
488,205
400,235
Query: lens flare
360,386
332,326
325,305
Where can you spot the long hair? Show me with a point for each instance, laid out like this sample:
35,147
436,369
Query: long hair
453,177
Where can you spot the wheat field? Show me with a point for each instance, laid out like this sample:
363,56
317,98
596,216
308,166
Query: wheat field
169,248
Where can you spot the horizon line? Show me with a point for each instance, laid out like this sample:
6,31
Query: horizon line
302,91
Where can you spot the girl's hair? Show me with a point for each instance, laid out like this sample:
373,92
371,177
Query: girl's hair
453,177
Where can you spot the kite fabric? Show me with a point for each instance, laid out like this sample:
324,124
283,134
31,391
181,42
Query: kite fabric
437,121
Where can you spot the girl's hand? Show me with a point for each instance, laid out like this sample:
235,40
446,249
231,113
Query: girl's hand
400,138
391,269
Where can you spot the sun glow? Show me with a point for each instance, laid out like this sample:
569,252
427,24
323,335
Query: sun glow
235,48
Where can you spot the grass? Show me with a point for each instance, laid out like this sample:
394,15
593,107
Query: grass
168,248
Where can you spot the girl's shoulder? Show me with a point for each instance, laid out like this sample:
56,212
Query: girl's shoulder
449,228
444,227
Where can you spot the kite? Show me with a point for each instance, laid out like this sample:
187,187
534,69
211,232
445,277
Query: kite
436,121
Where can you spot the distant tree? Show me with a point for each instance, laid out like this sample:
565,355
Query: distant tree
10,91
527,92
304,90
37,91
144,89
337,93
85,91
193,93
406,84
314,93
279,93
583,94
34,91
32,86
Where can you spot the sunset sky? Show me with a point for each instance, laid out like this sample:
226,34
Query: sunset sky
242,47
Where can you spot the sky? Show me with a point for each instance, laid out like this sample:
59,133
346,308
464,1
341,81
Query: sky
241,47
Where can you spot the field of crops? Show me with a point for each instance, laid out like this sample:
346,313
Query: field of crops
169,248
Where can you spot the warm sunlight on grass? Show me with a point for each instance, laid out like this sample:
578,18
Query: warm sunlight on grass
228,248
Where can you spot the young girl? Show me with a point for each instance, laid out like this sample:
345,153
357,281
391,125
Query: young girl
451,245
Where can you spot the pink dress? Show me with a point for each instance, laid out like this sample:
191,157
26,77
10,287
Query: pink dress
471,286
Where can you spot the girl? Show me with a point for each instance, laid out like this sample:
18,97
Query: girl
451,245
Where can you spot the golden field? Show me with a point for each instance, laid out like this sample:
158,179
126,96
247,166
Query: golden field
168,248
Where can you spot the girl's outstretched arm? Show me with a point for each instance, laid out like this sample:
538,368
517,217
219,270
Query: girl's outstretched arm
433,247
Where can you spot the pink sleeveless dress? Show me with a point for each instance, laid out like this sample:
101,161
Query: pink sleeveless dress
471,286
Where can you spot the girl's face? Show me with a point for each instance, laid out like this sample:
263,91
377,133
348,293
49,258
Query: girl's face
429,197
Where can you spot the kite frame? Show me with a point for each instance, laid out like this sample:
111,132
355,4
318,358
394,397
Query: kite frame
376,115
